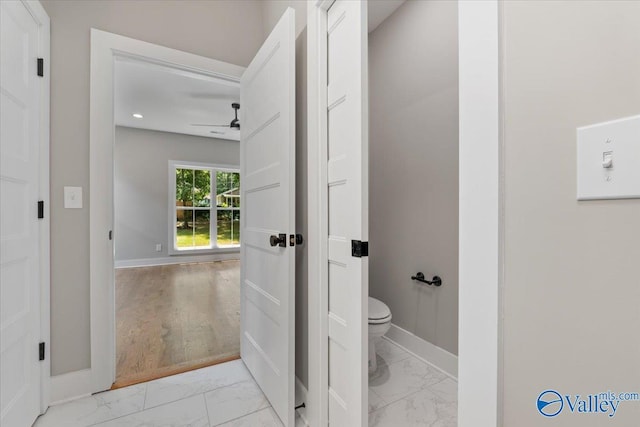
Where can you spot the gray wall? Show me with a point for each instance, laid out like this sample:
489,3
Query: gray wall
141,182
204,28
272,11
302,294
413,177
572,270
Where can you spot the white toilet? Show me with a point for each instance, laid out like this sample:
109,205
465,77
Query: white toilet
379,324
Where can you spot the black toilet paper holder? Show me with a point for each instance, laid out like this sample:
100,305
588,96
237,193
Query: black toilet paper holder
435,281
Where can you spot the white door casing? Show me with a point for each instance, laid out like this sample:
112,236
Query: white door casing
105,47
347,195
24,264
267,170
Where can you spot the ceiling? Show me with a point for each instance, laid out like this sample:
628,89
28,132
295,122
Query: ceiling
170,99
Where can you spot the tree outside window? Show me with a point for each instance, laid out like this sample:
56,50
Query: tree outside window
194,208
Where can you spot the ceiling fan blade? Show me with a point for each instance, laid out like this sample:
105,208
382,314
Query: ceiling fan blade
201,124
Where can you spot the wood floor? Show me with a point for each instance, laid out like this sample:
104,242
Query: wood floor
174,318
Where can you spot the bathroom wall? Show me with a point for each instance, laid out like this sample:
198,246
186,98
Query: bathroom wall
413,184
229,31
141,184
571,277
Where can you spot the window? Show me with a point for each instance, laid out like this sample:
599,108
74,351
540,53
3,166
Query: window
197,216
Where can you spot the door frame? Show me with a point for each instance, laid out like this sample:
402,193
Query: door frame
481,213
317,405
105,48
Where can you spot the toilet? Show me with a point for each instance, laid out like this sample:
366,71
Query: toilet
379,324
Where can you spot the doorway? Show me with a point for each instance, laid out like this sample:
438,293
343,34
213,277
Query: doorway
107,52
480,208
176,221
267,291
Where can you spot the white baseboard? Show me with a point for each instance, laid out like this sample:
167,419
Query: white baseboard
178,259
430,353
71,386
301,396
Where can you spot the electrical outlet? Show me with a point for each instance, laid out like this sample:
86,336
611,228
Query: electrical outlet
159,247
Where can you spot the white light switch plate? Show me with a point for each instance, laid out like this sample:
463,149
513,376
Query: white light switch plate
73,197
609,160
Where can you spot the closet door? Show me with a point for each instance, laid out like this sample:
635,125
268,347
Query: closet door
20,231
267,170
347,190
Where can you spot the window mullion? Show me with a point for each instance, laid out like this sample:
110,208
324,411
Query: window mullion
213,213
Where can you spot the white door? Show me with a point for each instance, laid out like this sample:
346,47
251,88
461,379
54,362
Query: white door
267,171
19,230
347,181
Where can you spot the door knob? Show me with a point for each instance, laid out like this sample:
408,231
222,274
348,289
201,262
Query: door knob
279,240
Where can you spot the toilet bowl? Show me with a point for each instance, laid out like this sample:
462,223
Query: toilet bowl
379,324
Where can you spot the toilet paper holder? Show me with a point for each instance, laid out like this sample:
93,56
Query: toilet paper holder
435,281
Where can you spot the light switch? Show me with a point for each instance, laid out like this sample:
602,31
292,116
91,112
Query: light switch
73,197
609,160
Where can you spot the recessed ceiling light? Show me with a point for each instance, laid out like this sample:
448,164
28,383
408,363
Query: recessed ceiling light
137,115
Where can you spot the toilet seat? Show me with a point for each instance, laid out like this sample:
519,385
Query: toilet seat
378,312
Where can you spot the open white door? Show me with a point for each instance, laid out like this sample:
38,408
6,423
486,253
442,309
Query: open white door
267,171
347,195
20,230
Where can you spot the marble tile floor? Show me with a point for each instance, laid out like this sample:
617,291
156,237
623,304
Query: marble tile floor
404,391
220,395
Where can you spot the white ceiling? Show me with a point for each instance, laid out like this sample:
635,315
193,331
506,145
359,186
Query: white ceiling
379,10
170,100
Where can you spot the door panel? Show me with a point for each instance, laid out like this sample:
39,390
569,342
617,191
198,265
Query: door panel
19,260
347,191
267,167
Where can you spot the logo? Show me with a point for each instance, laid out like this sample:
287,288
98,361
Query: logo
550,403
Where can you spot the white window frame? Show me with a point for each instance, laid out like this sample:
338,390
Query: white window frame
213,208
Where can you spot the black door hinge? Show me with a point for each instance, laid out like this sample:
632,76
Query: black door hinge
110,234
41,67
359,248
40,209
41,351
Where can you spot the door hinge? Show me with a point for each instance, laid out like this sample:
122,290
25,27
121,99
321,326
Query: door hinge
40,209
41,351
359,248
110,234
41,67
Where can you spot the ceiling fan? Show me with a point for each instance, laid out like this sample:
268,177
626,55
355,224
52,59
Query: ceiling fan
235,123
